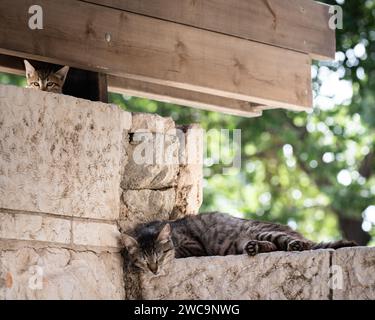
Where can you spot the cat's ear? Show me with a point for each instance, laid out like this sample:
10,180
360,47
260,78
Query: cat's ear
129,242
61,73
164,234
29,68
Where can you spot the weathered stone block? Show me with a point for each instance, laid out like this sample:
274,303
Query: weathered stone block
152,162
34,227
353,274
95,234
60,154
189,190
55,273
146,205
279,275
151,122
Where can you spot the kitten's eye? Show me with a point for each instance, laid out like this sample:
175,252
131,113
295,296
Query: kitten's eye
36,84
50,84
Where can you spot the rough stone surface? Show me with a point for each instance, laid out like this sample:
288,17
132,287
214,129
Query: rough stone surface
189,190
55,273
69,170
152,162
34,227
355,269
62,154
146,205
148,122
278,275
95,234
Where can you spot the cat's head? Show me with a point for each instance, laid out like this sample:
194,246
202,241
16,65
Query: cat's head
45,79
152,249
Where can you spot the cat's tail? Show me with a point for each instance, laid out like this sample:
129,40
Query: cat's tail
334,245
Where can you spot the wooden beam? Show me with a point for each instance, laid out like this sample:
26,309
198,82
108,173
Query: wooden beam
300,25
14,65
183,97
137,47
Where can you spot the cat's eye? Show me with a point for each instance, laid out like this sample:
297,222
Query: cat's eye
50,84
36,84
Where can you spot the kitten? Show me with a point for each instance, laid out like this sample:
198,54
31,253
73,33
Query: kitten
45,79
152,246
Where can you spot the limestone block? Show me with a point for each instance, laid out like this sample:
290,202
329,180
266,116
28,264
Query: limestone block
152,162
95,234
150,122
353,272
146,205
189,190
34,227
60,154
279,275
55,273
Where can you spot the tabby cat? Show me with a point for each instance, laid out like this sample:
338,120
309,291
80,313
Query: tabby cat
45,79
152,246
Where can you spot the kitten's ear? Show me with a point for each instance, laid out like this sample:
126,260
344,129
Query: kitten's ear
62,73
164,234
29,68
129,242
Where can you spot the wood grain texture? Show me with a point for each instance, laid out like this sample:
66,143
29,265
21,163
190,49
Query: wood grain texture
156,51
131,87
183,97
300,25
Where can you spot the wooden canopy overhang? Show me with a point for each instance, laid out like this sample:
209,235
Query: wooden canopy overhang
233,56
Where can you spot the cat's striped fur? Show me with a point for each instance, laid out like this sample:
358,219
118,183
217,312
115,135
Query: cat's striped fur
45,79
152,245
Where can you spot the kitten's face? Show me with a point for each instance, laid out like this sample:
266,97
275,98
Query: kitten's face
151,253
45,80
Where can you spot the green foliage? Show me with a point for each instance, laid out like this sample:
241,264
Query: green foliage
330,172
6,78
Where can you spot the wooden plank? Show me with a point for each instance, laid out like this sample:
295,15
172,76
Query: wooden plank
152,91
300,25
12,65
183,97
137,47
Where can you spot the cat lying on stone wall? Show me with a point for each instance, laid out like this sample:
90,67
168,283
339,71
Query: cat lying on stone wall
152,246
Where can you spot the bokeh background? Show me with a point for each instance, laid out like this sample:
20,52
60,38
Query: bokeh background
313,171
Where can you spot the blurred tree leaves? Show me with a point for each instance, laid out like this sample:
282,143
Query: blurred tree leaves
326,176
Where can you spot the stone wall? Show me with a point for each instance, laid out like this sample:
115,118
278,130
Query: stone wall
347,273
72,173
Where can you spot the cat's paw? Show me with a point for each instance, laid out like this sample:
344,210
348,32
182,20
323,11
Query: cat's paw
252,248
297,245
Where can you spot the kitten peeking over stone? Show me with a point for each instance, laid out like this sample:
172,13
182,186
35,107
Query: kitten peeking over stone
152,246
45,79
